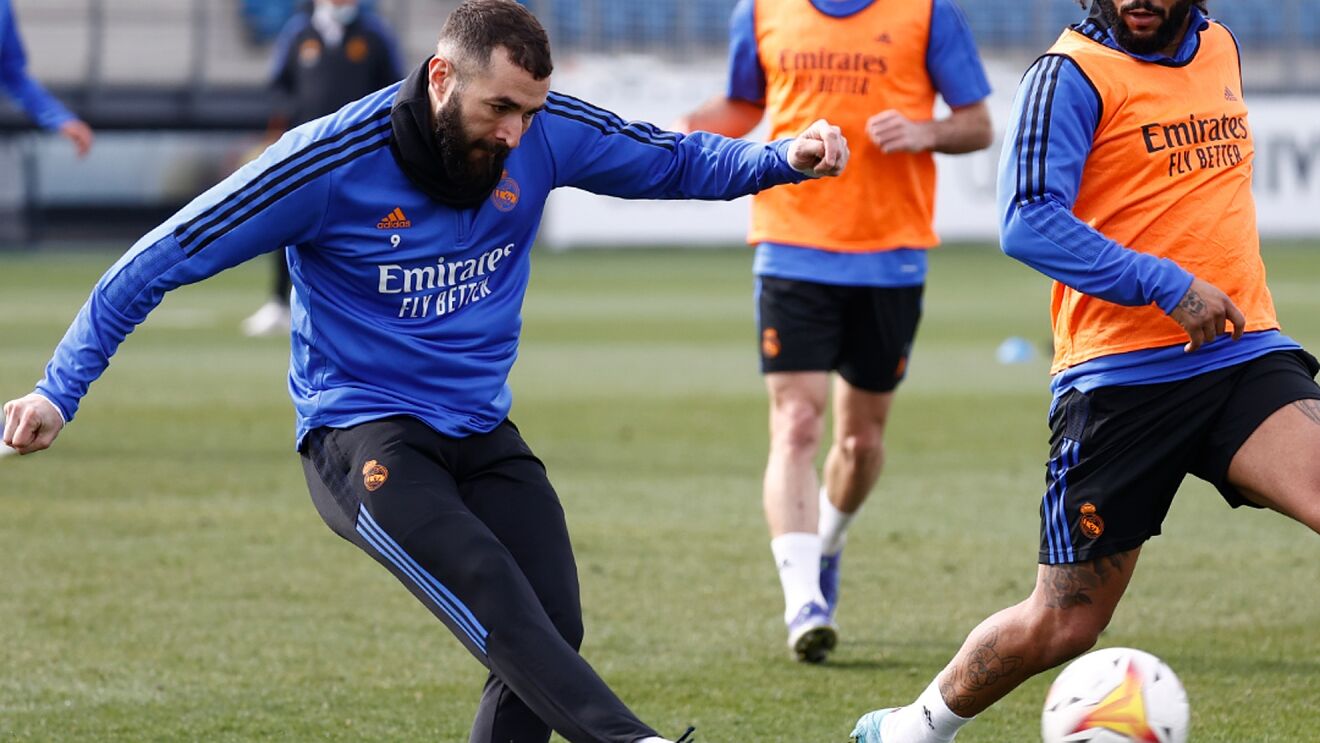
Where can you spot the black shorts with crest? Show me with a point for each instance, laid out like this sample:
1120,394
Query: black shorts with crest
1118,454
864,333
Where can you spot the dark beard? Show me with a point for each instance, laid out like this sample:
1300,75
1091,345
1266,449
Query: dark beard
1156,42
474,177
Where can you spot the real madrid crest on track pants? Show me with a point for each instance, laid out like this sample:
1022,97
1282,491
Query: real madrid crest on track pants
475,531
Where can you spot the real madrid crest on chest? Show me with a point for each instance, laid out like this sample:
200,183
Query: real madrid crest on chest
506,194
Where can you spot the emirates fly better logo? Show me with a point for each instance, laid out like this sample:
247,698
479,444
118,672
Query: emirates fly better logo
442,287
1198,142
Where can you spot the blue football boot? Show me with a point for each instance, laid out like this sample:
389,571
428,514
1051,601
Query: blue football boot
811,634
867,729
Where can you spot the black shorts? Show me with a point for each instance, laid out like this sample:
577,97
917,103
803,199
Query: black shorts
1118,454
865,333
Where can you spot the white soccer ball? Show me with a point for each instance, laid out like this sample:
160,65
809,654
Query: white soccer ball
1116,695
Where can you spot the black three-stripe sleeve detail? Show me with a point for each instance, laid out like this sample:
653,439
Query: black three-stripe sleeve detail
1025,124
607,131
1034,131
286,190
318,150
608,122
1046,119
577,104
609,118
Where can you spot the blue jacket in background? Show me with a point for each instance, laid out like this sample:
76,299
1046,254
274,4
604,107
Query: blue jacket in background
47,112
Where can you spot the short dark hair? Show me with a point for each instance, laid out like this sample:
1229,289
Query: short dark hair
1199,3
477,27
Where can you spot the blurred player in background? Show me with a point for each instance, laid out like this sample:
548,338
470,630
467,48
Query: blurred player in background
331,53
1126,177
841,265
47,112
412,214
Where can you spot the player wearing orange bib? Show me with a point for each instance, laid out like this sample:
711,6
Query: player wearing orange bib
1126,177
840,267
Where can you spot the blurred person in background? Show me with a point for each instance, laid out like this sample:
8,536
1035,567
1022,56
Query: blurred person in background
841,294
412,214
47,112
1126,177
330,53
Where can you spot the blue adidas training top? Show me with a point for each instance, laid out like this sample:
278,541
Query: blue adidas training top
402,305
1041,230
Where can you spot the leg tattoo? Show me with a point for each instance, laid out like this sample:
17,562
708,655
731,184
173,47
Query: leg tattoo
1068,585
982,671
983,668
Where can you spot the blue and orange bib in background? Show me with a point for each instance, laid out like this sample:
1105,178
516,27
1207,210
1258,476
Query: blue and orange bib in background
845,70
1169,174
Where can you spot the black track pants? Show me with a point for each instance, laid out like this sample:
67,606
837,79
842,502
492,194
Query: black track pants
474,529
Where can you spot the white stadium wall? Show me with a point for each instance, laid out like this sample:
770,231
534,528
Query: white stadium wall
1287,184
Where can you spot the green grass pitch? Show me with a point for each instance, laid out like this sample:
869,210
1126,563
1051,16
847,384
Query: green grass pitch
166,577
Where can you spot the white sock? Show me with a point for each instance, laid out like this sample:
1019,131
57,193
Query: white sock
797,555
833,526
653,739
927,720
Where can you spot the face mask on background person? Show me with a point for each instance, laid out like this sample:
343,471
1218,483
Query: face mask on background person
331,18
345,14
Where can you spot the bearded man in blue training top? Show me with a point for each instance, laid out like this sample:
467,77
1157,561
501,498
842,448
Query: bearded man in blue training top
410,216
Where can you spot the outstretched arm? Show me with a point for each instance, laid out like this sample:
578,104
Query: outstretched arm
265,205
595,150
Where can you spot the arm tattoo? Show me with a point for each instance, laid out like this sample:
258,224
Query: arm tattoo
1066,586
983,669
1310,409
1192,304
